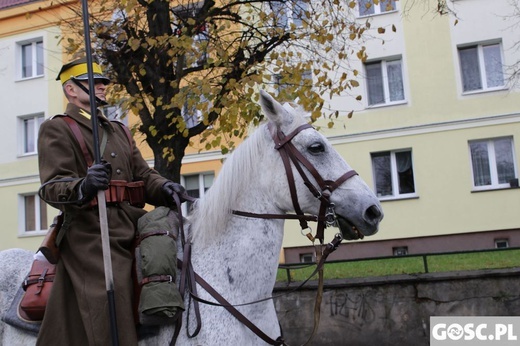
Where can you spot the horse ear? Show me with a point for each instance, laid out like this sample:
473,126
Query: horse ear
274,110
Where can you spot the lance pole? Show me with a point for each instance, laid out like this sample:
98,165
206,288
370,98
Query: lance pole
103,222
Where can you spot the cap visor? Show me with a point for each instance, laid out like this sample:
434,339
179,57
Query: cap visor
97,76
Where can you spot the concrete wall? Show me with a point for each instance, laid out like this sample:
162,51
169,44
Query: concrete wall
394,310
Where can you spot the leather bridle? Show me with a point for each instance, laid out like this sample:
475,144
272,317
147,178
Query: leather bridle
289,153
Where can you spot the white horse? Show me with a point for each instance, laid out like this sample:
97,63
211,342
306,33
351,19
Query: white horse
238,254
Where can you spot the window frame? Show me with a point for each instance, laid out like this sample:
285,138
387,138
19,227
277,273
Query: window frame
307,257
286,14
23,139
384,63
400,250
377,8
493,169
481,66
279,86
201,186
35,64
114,112
394,175
499,242
40,214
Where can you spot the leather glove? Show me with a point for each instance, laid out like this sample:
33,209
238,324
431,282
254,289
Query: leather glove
170,188
98,178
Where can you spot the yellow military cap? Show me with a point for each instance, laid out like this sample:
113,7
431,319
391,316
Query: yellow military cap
78,69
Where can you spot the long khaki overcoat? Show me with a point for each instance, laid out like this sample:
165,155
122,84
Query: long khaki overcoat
77,312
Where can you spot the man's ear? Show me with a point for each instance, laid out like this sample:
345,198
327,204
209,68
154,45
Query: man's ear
69,89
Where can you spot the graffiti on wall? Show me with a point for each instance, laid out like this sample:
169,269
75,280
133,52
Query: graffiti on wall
353,309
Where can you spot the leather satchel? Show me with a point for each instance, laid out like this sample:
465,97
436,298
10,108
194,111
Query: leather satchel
37,286
49,247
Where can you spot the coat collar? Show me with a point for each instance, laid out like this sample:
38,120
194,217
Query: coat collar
75,113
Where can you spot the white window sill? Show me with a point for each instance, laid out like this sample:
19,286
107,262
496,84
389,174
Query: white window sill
376,14
483,91
493,188
388,104
399,197
28,78
32,234
27,154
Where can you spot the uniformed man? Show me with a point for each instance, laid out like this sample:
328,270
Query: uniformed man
77,312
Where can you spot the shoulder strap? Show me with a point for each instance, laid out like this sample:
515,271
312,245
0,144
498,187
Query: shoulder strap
127,131
79,137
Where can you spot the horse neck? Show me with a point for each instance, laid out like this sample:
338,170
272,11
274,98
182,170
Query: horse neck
244,259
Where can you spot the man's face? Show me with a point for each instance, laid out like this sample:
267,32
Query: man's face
99,88
80,98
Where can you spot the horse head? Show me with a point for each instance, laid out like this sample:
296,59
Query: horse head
321,176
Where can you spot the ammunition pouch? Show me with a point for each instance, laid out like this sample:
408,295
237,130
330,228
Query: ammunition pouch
120,191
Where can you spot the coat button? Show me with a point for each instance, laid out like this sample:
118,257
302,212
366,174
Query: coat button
118,171
113,154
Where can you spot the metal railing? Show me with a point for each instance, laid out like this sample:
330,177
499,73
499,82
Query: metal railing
288,267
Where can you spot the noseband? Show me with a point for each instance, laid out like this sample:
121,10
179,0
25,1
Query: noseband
323,191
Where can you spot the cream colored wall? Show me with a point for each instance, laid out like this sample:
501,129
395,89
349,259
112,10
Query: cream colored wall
442,168
19,173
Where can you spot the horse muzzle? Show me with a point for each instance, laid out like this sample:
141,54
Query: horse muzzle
351,231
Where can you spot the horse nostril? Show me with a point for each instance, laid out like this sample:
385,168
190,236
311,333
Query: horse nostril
373,213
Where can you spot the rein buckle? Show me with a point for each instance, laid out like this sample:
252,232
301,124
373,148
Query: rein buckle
330,216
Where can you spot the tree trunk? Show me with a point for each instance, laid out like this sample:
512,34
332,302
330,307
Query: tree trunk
170,169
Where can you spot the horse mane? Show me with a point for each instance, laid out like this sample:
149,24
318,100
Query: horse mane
211,213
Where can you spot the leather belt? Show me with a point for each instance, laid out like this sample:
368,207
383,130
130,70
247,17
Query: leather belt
156,278
122,191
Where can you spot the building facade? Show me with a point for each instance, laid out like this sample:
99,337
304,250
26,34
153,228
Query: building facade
435,134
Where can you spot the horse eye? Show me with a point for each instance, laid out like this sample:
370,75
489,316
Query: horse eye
316,148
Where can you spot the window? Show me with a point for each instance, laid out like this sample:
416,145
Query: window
384,82
200,47
481,67
501,243
298,14
115,113
306,258
190,113
31,59
492,163
281,84
35,214
370,7
289,12
400,251
29,133
196,185
393,173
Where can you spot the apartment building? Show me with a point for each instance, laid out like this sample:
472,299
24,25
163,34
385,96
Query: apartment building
435,134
